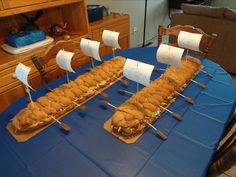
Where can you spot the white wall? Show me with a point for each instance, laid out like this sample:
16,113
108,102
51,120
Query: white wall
156,13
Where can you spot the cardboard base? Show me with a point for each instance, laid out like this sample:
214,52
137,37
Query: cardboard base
24,136
107,127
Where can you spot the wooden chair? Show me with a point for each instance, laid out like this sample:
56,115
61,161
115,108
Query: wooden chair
42,63
224,162
173,32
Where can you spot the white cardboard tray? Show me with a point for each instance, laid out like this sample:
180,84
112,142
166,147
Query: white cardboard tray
13,50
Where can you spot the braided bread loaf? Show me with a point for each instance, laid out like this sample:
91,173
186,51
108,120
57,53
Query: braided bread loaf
145,106
64,98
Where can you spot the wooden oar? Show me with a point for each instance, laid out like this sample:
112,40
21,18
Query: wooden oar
207,73
48,89
80,106
63,126
121,91
174,114
88,69
104,94
124,81
189,100
199,84
159,69
159,133
107,103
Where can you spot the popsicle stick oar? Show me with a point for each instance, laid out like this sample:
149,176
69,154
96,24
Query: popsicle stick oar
88,69
158,132
48,89
107,103
174,114
63,126
199,84
104,94
189,100
159,69
124,91
124,81
207,73
80,106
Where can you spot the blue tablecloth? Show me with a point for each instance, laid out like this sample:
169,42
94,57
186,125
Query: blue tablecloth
88,150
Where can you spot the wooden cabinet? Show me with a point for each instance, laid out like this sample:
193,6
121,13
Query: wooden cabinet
72,12
8,4
13,7
1,6
114,22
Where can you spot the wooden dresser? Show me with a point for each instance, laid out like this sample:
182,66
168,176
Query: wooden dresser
114,22
72,12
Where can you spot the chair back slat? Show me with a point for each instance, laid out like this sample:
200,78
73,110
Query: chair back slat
41,62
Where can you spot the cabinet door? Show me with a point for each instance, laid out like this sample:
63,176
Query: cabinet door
8,4
1,7
10,96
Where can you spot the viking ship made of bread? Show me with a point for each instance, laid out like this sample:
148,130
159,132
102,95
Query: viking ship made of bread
142,109
68,96
131,117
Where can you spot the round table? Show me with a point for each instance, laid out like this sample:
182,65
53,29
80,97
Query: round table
88,150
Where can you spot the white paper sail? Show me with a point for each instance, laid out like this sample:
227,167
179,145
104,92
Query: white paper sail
90,48
189,40
169,55
138,71
63,59
110,38
130,69
22,72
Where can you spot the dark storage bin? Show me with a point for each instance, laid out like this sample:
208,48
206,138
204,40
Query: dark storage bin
95,12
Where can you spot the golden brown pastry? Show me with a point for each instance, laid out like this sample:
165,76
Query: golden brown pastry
130,117
63,98
196,61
